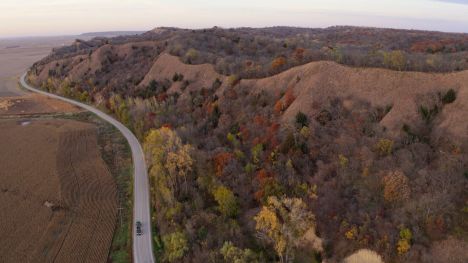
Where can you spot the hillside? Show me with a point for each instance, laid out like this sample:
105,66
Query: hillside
281,160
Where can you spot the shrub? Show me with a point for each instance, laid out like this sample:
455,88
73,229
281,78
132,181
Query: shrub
343,161
352,233
279,106
233,80
403,246
278,63
301,119
289,98
324,117
305,132
177,77
384,146
216,84
185,84
449,97
428,114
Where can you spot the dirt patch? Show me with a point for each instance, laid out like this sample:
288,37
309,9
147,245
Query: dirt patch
60,196
34,104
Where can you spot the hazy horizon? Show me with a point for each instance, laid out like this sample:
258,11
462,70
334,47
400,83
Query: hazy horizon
57,18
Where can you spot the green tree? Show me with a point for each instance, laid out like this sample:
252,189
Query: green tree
234,254
175,246
257,151
227,202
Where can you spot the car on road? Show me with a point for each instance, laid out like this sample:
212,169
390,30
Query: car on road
138,228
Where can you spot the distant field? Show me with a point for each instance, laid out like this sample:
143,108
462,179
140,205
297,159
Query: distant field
16,55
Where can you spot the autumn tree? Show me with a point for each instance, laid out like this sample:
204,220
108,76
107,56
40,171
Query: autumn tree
384,146
227,202
175,246
395,60
404,243
278,63
299,54
120,108
191,55
220,161
396,187
169,162
288,225
234,254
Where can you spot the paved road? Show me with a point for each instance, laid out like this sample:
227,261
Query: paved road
142,245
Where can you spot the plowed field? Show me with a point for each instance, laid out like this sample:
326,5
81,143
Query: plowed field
58,200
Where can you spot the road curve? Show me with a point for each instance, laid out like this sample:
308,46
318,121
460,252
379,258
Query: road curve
142,245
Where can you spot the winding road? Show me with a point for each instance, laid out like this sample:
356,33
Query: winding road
142,245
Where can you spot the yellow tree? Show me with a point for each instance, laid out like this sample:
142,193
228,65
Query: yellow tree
179,164
288,225
169,161
395,59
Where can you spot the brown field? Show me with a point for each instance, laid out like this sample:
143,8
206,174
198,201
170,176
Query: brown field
57,197
58,200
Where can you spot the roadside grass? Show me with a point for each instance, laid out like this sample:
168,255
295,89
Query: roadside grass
158,248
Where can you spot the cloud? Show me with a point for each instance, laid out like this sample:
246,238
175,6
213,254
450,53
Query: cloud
461,2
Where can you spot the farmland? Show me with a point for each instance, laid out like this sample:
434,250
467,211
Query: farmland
63,184
64,173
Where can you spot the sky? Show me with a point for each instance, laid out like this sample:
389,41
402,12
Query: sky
70,17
